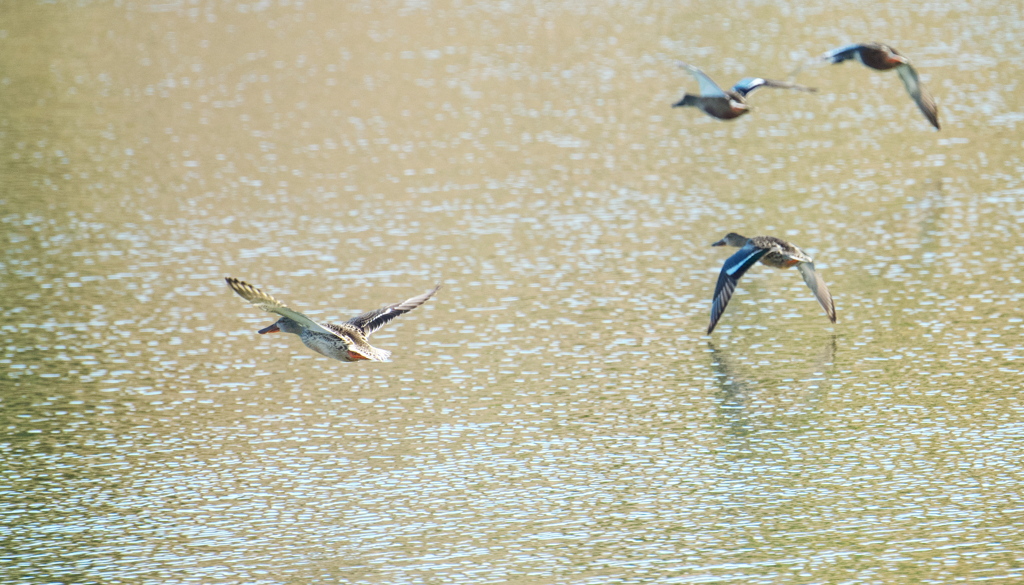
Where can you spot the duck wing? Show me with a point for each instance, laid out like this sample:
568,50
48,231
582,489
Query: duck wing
271,305
917,91
817,286
734,268
374,320
749,84
843,53
708,88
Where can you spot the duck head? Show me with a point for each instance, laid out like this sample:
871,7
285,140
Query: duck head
732,239
285,325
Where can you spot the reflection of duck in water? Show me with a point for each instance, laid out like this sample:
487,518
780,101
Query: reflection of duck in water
770,251
733,393
346,342
883,58
732,387
726,105
827,357
739,386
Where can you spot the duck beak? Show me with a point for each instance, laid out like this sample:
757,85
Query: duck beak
719,243
272,329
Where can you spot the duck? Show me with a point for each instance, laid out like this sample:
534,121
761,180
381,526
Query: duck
883,58
347,342
771,251
731,104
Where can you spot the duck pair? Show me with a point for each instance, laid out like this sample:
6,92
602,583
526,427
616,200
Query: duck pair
732,103
349,341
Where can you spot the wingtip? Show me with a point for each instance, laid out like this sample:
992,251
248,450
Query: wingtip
238,285
714,320
831,55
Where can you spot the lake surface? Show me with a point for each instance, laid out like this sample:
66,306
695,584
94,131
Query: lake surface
556,413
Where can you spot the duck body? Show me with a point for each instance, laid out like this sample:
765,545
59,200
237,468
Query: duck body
347,342
874,55
770,251
344,342
882,57
729,107
780,253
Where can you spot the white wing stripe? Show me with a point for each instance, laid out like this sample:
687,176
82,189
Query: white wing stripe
739,266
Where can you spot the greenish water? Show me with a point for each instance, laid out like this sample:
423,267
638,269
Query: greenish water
556,414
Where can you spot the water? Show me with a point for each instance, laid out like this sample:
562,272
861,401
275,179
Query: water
555,414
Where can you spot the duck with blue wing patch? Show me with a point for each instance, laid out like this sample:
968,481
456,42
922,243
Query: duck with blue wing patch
727,105
770,251
883,58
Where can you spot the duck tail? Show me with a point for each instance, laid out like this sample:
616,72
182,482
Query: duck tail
688,100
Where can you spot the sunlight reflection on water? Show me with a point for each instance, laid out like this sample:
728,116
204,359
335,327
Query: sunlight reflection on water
556,411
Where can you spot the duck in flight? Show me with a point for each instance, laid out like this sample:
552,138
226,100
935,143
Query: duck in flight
727,105
346,342
770,251
883,58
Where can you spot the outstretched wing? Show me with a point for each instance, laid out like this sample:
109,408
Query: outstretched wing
917,91
817,286
374,320
708,88
843,53
272,305
733,269
749,84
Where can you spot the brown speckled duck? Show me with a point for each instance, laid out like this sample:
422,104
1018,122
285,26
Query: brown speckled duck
346,342
773,252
